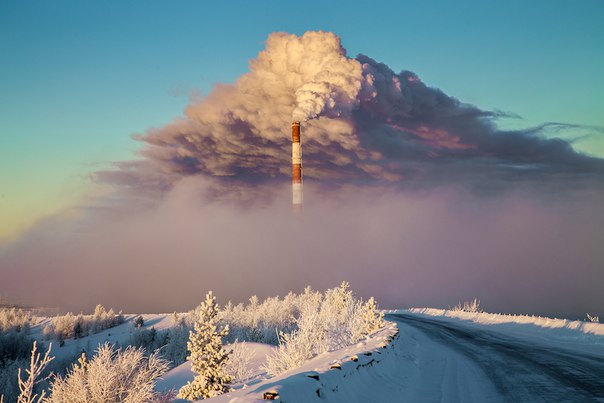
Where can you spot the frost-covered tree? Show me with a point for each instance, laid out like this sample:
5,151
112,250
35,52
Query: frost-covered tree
372,317
208,358
15,319
139,322
70,325
338,313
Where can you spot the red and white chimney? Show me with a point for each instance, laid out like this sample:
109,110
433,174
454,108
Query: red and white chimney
296,168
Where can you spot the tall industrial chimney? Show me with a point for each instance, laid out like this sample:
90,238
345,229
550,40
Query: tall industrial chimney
296,168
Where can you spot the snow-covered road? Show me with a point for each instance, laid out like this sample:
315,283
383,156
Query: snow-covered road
454,362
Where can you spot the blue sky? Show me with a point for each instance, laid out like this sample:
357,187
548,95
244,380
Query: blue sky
77,78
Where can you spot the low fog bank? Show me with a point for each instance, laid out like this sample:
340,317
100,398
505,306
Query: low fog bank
516,251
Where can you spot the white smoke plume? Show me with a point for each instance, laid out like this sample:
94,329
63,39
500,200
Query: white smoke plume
364,124
327,81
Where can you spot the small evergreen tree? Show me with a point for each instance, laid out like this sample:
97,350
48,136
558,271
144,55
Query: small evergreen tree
139,322
77,329
208,358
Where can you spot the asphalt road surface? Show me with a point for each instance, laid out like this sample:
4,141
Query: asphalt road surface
519,370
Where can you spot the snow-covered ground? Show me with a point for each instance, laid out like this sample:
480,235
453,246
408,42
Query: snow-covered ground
422,355
179,376
324,375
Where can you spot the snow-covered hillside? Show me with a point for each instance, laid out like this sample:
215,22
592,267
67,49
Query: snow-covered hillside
120,335
422,355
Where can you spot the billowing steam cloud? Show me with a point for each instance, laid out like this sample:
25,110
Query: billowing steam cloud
329,82
388,165
364,124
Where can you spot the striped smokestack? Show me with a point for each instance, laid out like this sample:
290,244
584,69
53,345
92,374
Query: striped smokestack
296,168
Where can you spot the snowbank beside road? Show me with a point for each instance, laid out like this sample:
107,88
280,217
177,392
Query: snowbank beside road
572,334
323,377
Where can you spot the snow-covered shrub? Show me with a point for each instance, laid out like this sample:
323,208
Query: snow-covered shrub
14,345
239,361
14,319
69,325
9,385
340,314
300,345
175,348
261,321
593,318
111,376
326,322
149,339
171,343
471,306
208,358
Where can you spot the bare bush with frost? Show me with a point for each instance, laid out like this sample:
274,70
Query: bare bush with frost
260,321
468,306
238,365
111,376
593,319
37,364
326,322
